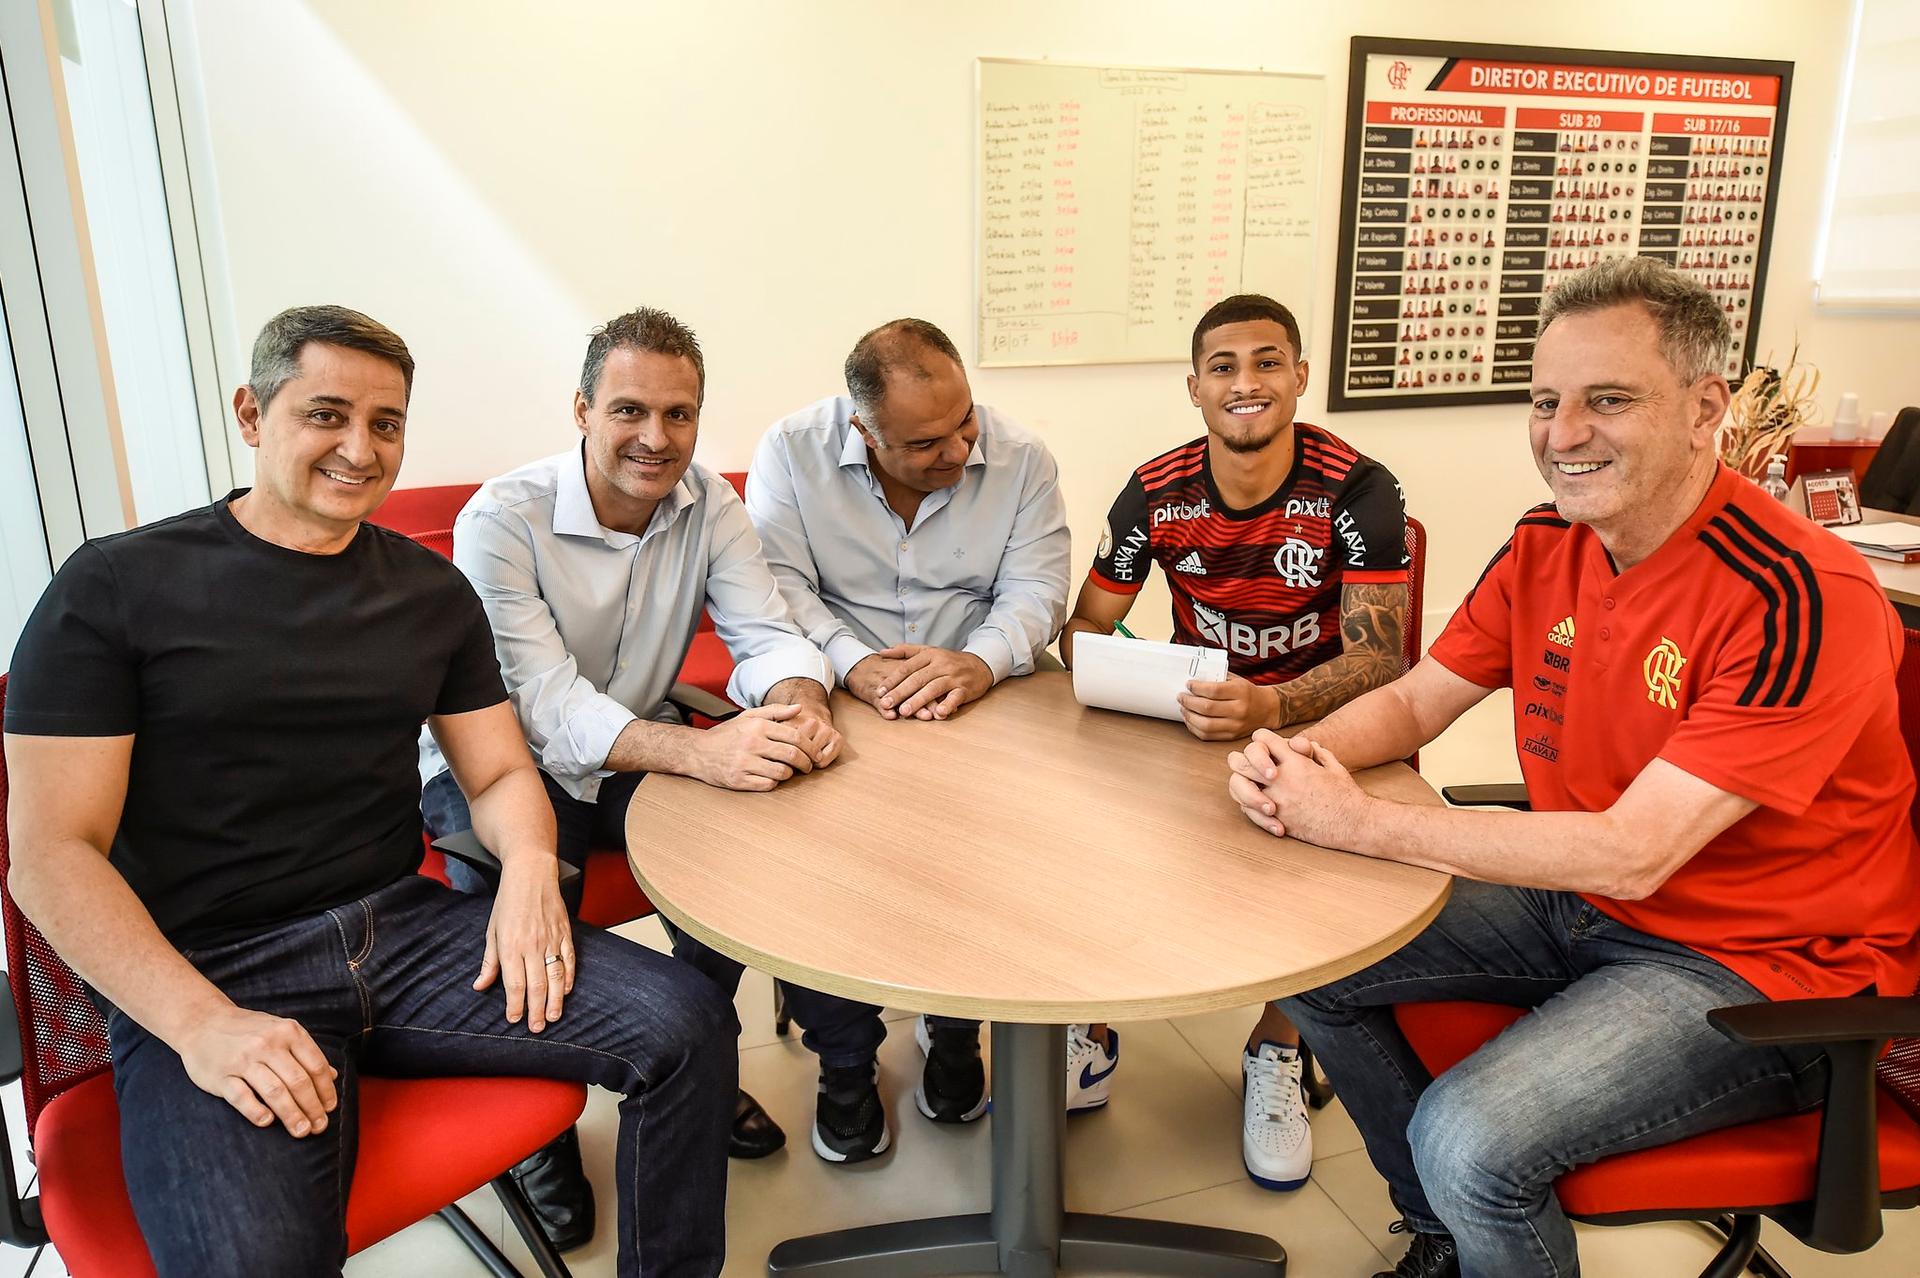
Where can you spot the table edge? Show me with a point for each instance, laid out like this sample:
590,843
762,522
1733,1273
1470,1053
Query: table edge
1045,1011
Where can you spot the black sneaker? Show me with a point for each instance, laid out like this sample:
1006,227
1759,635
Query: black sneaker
1428,1255
849,1123
953,1086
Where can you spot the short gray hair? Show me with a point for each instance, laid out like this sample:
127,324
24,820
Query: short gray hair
642,329
897,346
1695,337
276,352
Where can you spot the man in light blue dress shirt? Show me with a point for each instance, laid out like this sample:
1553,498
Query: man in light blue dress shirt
593,566
921,542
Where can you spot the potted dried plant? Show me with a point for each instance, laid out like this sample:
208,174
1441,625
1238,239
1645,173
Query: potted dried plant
1768,406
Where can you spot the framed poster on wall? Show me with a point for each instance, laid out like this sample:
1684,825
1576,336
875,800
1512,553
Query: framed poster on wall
1477,176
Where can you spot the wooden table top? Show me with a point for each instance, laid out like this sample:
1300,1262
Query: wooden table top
1029,860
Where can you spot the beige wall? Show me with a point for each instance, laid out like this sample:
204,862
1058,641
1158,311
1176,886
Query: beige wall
492,178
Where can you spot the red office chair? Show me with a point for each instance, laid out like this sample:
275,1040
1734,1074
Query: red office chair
1824,1177
1416,590
420,1147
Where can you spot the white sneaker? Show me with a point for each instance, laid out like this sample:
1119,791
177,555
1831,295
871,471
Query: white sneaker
1275,1141
1090,1068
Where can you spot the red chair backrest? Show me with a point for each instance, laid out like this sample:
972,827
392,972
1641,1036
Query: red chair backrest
1416,590
63,1040
440,540
414,510
738,478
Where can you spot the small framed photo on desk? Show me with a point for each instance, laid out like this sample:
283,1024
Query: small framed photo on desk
1828,496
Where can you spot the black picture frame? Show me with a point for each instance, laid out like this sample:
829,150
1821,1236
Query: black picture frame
1366,47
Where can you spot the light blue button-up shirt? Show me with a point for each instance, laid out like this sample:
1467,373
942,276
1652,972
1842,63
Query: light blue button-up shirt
983,569
592,625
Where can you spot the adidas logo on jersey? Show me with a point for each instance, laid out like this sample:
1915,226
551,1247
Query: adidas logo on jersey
1191,565
1562,633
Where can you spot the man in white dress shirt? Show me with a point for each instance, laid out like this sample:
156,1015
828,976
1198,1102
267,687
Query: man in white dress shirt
921,542
593,566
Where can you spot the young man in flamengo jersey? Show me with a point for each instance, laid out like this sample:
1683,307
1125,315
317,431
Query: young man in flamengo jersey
1706,716
1287,548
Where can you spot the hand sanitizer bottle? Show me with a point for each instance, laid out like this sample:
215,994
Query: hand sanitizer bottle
1775,484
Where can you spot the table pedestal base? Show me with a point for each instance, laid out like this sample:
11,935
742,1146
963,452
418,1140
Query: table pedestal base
1029,1234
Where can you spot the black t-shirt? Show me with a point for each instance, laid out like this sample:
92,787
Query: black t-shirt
275,700
1263,583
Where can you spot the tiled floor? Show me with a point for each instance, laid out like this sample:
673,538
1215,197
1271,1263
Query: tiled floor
1167,1147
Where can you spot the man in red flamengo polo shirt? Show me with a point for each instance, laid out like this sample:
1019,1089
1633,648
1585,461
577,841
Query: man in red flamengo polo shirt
1704,706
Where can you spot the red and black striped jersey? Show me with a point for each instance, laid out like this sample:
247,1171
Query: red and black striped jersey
1263,583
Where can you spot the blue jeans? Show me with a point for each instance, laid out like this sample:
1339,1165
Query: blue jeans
384,986
840,1031
1615,1055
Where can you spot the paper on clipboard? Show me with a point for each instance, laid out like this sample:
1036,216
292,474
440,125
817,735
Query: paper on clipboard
1139,676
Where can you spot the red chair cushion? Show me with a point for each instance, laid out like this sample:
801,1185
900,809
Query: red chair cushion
420,1149
1764,1164
608,894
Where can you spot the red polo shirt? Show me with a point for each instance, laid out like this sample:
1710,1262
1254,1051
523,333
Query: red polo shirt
1755,651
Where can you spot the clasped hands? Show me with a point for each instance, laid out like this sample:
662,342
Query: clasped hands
1294,786
916,681
757,749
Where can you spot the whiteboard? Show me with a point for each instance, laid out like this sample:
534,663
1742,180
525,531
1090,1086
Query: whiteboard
1117,203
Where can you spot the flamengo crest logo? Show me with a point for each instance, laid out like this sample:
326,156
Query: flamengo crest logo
1662,669
1298,563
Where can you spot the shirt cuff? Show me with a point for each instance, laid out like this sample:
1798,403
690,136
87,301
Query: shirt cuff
755,677
845,652
581,747
993,649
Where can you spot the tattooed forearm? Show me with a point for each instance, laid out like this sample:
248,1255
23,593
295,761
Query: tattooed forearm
1372,626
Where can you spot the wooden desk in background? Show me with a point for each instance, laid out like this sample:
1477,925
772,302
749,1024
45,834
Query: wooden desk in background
951,868
1814,449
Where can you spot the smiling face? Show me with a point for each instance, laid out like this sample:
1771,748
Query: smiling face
1247,383
640,431
1625,445
923,431
329,445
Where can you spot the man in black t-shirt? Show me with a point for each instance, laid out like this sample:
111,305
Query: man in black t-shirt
210,733
1286,547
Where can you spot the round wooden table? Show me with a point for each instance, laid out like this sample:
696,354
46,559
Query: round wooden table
950,868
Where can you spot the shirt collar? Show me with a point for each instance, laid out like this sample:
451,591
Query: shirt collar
573,505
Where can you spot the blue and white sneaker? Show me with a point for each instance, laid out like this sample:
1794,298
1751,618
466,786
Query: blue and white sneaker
1090,1068
1275,1141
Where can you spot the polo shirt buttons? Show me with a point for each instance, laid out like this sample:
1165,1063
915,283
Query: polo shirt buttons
912,629
1608,605
1605,633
